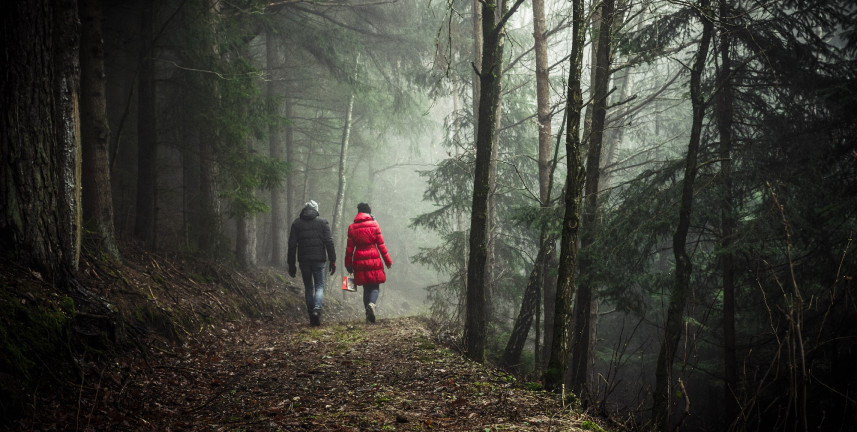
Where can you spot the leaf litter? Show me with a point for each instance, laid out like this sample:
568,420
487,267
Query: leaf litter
281,375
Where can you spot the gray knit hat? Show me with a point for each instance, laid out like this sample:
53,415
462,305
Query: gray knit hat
312,204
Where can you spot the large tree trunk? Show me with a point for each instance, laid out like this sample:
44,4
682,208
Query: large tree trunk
39,134
557,365
343,157
95,132
725,115
275,151
147,174
582,305
662,405
475,322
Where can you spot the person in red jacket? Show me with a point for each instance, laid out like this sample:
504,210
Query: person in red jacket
365,256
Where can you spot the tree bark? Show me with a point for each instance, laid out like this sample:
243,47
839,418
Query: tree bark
582,305
530,302
291,181
275,151
145,225
491,258
39,135
725,114
543,114
514,347
343,157
95,132
558,363
543,105
477,61
661,406
210,225
475,325
549,307
245,241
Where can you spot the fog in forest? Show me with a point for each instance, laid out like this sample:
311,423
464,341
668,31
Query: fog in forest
701,200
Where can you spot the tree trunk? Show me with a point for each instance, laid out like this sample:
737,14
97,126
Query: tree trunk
661,405
210,225
245,241
191,177
548,306
557,365
491,258
291,182
475,325
343,157
530,302
582,306
95,132
543,103
39,135
477,61
275,151
543,113
725,115
515,346
147,174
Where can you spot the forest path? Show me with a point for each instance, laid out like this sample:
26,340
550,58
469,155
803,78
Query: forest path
346,376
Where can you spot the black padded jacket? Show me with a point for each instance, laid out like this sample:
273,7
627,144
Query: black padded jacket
310,239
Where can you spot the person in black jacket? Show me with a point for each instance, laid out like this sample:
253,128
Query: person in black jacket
311,241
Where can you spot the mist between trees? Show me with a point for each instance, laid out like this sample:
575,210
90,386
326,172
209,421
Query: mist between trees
648,203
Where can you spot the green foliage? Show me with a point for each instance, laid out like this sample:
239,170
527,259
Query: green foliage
591,426
533,386
791,182
249,174
32,337
31,331
650,42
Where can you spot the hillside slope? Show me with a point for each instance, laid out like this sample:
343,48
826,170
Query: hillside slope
277,375
173,343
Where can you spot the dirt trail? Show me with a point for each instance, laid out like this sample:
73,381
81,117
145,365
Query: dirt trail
348,376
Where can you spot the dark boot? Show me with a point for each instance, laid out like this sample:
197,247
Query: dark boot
315,317
370,312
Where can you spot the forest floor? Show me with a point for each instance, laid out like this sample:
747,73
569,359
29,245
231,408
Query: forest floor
202,359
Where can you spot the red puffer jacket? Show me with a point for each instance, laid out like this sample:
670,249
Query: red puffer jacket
362,253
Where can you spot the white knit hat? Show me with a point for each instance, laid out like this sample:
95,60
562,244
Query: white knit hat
312,204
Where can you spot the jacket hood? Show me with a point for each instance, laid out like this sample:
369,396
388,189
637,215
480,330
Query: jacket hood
362,217
309,213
